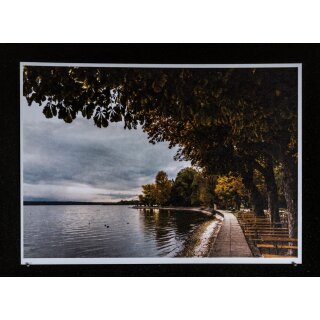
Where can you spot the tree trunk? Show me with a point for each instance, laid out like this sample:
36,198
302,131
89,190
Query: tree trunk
255,197
290,187
272,191
237,203
256,200
273,206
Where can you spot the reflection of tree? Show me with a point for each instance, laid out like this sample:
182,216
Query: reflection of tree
168,226
156,225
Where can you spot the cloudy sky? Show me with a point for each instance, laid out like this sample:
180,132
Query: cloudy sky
80,162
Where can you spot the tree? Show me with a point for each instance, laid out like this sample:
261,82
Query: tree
163,188
230,192
271,190
192,188
206,190
244,113
157,193
149,196
278,174
184,189
257,120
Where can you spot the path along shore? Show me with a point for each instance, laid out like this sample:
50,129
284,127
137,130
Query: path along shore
230,241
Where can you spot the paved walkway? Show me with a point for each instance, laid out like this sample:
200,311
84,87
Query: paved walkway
230,241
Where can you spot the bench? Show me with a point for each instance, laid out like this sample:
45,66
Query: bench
266,227
260,222
272,246
266,231
265,234
250,227
268,255
275,239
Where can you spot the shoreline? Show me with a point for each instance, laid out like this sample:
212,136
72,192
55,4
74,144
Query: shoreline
207,212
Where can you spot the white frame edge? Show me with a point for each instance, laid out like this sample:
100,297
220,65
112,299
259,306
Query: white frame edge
211,260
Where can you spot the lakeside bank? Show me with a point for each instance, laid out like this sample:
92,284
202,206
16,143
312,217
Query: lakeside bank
208,212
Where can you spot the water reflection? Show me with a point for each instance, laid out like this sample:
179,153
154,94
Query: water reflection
105,231
169,228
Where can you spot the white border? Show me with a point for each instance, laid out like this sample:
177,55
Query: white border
21,165
212,260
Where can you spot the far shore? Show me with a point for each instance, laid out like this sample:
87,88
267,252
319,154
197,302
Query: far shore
76,203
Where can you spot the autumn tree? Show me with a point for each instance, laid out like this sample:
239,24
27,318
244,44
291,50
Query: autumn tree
230,192
157,193
149,196
163,188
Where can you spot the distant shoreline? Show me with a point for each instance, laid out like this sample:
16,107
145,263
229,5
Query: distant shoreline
77,203
206,211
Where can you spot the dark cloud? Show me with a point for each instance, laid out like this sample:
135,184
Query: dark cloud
78,161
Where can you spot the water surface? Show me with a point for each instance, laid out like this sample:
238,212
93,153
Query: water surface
106,231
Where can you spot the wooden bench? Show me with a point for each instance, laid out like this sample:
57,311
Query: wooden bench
266,227
272,246
268,255
254,220
274,239
258,222
263,234
263,225
275,247
266,231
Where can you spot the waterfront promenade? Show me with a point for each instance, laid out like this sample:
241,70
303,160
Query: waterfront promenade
230,241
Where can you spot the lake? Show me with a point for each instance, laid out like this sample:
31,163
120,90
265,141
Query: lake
96,231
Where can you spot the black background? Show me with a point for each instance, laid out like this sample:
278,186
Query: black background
12,54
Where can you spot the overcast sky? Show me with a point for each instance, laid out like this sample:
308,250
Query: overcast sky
80,162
